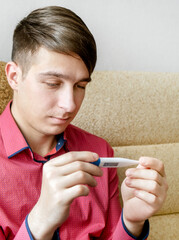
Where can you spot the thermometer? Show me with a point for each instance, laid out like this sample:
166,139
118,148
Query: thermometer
114,162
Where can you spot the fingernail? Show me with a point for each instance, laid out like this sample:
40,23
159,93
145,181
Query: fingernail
128,181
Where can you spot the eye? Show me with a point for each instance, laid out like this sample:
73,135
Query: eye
52,84
82,85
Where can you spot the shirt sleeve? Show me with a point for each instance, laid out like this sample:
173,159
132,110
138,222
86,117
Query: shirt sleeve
122,231
24,232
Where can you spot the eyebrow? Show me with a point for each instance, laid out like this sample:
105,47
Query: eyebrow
63,76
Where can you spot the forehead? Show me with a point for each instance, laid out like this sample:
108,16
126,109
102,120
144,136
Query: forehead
49,61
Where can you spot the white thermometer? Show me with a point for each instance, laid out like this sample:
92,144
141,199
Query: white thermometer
114,162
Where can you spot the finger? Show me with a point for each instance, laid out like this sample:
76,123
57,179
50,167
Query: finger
145,185
74,192
154,164
80,166
74,156
142,173
149,198
77,178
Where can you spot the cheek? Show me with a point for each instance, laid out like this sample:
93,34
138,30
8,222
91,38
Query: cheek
79,99
36,101
39,95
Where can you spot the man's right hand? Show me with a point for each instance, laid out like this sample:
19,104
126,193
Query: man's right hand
64,179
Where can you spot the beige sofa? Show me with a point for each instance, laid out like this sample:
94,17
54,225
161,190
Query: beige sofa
138,114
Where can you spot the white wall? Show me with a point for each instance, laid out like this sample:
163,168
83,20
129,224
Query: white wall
135,35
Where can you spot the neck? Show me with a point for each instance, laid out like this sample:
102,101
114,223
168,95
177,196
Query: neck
41,145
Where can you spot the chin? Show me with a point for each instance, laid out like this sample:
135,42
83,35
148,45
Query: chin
55,130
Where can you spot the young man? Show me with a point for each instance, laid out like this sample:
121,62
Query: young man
49,188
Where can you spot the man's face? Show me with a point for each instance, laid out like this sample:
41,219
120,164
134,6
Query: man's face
49,96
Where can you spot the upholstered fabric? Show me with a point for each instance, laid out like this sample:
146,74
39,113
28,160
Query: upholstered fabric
128,108
5,90
138,114
164,227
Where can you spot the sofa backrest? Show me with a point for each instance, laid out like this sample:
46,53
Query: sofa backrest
128,108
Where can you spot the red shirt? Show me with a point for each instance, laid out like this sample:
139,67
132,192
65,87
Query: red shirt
95,216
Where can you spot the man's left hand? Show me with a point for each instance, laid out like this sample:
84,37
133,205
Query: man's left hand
143,191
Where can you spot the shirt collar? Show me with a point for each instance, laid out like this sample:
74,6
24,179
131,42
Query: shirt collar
14,141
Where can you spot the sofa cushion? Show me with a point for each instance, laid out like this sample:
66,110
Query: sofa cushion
165,227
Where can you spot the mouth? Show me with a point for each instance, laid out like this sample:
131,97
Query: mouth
60,120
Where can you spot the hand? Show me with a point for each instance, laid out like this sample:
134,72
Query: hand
143,191
64,179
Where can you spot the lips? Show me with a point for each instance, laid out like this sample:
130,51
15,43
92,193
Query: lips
59,120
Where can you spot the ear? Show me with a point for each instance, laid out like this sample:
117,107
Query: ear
12,73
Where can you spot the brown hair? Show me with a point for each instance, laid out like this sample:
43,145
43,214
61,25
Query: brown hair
57,29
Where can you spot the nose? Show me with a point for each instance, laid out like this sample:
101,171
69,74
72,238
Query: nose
66,99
